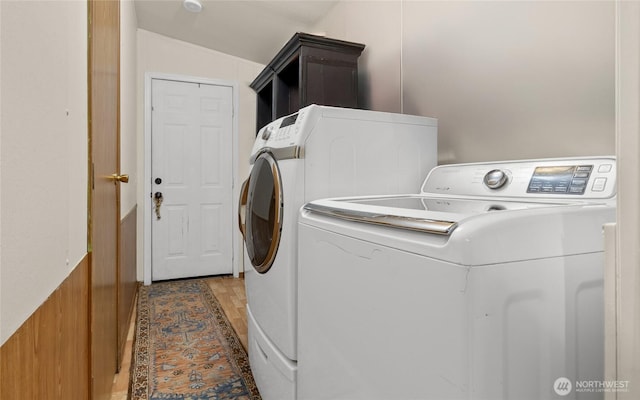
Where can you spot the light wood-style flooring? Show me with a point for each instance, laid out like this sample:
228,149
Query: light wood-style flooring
230,293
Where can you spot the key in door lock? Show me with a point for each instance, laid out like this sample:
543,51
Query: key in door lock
157,199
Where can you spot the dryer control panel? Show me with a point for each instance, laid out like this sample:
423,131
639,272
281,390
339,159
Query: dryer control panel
570,178
281,130
284,132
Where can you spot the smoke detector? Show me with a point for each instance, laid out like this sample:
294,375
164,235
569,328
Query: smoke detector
193,6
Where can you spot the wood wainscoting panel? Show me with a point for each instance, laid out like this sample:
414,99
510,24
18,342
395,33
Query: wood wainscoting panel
127,278
48,356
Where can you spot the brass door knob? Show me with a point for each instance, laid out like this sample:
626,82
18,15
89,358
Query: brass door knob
124,178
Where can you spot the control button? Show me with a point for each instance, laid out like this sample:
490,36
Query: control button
579,182
599,184
581,175
560,189
495,179
587,168
534,186
576,189
604,168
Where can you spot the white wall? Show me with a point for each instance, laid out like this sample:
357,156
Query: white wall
2,335
43,159
506,80
378,26
160,54
128,105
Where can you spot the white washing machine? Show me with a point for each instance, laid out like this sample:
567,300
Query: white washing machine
317,152
486,285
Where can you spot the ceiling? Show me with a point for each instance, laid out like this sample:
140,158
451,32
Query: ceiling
251,29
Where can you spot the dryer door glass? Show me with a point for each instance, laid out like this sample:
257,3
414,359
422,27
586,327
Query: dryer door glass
264,212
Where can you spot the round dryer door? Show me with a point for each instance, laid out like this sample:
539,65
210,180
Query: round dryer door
263,221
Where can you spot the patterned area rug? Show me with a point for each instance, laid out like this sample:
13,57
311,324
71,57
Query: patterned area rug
185,348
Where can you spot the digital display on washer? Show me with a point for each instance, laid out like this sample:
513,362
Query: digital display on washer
560,180
290,120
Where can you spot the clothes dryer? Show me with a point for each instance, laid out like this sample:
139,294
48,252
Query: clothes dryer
486,285
317,152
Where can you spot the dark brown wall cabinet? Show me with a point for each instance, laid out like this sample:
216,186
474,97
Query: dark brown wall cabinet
309,69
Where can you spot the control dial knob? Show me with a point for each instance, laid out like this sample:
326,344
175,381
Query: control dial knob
267,133
495,179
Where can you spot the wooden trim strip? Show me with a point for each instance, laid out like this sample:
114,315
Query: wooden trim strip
127,277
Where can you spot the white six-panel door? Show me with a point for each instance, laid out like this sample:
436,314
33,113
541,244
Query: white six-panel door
191,166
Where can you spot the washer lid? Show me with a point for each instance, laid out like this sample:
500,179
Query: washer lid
436,215
463,231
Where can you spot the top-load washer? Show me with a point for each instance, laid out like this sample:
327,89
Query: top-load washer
486,285
317,152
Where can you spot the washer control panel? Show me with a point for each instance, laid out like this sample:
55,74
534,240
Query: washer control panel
569,178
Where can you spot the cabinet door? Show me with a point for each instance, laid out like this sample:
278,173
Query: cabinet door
329,80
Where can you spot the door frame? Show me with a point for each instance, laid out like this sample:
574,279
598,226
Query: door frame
146,194
103,29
